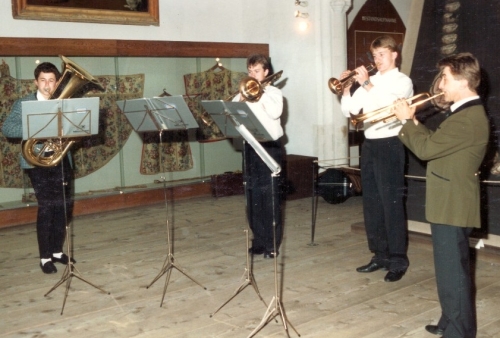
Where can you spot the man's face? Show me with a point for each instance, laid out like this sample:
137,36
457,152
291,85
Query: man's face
46,83
257,71
384,59
450,86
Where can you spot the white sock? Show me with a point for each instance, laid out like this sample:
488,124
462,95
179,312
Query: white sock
57,255
45,260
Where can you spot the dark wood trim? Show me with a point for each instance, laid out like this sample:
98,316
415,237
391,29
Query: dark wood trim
96,47
117,201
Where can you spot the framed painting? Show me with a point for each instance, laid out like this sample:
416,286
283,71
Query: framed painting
123,12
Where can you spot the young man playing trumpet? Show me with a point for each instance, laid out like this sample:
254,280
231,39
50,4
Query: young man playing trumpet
454,153
382,160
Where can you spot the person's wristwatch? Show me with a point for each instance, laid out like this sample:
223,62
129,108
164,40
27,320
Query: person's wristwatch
366,83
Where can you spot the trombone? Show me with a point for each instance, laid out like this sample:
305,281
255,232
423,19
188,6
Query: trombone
385,114
251,89
337,86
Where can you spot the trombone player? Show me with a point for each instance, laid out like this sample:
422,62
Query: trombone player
382,160
452,205
260,197
52,185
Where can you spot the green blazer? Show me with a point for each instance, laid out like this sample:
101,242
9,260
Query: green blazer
454,153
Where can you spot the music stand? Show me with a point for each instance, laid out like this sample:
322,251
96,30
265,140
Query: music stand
63,118
159,114
236,119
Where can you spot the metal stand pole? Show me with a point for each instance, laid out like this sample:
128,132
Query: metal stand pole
248,274
314,209
169,263
275,307
70,271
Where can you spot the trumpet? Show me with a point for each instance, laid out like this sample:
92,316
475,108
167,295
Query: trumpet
251,89
385,114
337,86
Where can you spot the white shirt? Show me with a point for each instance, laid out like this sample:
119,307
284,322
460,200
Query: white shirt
386,89
457,104
268,110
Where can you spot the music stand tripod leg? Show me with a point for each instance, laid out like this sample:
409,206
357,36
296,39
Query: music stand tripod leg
169,264
69,271
248,279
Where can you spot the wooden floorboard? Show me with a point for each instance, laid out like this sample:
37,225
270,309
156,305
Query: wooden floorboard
320,293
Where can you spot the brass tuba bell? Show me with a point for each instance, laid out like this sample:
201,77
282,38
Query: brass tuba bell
50,152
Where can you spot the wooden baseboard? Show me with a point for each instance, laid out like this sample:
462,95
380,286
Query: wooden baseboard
25,214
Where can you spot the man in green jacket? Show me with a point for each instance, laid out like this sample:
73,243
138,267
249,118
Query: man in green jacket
454,153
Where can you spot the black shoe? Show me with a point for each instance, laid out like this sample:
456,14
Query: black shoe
394,275
48,267
271,254
434,329
256,251
63,260
370,267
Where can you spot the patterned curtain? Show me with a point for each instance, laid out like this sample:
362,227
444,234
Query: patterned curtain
171,153
216,83
89,153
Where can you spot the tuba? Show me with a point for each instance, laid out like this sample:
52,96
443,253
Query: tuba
48,153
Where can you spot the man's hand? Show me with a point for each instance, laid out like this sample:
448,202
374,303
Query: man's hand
403,111
347,85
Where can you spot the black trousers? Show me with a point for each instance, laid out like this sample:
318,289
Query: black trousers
382,179
453,278
264,195
52,187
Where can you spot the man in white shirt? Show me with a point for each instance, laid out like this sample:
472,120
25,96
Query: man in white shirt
382,160
262,196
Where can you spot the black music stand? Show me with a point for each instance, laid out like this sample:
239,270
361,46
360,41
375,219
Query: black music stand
63,118
236,119
159,114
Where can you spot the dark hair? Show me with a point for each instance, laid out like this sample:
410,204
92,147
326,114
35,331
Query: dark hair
463,66
47,67
255,59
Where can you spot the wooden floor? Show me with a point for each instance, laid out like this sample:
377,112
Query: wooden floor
320,292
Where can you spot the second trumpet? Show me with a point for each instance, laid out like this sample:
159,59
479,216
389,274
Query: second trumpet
385,114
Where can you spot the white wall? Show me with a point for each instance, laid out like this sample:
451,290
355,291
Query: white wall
259,21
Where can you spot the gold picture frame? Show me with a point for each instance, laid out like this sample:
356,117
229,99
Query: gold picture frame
24,11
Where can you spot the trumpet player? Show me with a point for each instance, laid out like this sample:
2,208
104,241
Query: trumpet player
382,160
452,205
52,185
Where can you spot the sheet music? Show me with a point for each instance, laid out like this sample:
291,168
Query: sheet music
158,113
64,118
